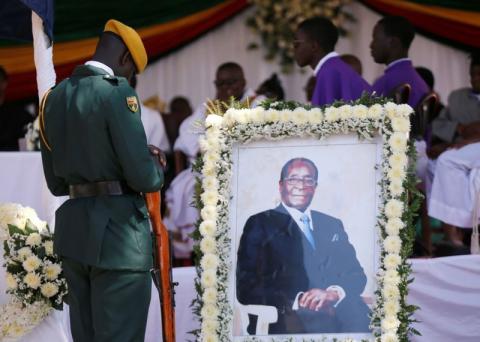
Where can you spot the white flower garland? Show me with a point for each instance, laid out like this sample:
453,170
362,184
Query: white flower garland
243,125
32,293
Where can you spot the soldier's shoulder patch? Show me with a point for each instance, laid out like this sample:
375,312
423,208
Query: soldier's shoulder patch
132,103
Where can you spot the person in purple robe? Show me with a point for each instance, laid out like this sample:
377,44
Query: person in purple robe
392,37
314,45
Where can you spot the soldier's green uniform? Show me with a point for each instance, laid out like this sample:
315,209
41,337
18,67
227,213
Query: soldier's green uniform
93,128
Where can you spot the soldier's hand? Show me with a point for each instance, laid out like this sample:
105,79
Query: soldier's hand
156,152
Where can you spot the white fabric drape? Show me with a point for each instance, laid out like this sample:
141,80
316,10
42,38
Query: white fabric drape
190,71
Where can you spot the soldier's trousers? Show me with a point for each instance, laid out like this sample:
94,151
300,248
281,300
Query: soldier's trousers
107,305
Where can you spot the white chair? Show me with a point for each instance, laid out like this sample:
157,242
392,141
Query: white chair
266,315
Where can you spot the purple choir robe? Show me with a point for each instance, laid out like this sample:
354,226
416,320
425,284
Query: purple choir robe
336,80
400,73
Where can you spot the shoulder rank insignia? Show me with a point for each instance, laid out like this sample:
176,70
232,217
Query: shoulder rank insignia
132,103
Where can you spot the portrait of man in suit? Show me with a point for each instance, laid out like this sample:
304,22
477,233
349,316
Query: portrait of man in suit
301,262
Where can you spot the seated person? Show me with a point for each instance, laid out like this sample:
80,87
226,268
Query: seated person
314,44
392,37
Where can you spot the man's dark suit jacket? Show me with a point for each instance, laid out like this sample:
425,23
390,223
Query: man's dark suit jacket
275,262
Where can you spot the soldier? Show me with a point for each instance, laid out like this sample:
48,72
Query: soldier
94,150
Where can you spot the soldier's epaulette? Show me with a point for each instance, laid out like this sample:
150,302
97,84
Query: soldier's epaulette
112,79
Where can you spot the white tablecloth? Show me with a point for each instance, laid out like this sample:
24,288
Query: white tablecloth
446,289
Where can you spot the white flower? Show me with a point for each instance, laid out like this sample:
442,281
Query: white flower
207,245
209,311
213,120
360,111
391,109
396,187
209,337
345,112
209,169
209,212
391,292
300,115
209,198
285,115
390,323
208,228
398,160
34,239
401,124
210,183
15,330
394,225
391,307
52,271
392,244
49,290
332,114
209,261
209,326
393,208
32,280
209,158
391,277
404,110
396,174
271,115
398,142
210,295
316,115
389,337
391,261
31,263
375,111
11,281
209,278
24,253
239,116
257,114
48,247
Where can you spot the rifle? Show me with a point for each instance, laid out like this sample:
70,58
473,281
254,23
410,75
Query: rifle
162,272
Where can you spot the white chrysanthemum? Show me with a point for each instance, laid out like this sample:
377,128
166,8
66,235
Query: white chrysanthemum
210,311
209,261
32,280
389,337
207,245
300,115
346,112
316,115
272,115
392,244
12,213
398,142
375,111
394,208
48,247
11,281
210,158
390,323
209,337
31,263
401,124
240,116
391,110
52,271
391,307
24,253
398,160
396,174
394,225
209,278
391,292
396,187
49,290
360,111
209,198
404,110
258,114
210,183
285,115
210,295
209,212
391,277
34,239
213,120
14,330
208,228
392,261
332,114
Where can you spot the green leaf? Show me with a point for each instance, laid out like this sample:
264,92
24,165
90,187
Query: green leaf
12,229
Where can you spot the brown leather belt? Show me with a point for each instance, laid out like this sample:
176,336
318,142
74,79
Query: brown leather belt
99,189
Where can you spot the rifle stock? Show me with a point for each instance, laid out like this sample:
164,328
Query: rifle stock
163,263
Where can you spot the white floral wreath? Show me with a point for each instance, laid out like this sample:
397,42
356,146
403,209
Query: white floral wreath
391,315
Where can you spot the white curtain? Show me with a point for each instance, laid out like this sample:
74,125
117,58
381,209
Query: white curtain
190,71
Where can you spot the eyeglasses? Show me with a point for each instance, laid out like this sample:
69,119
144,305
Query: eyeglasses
300,181
227,82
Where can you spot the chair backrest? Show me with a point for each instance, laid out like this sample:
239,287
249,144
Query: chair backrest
424,111
401,93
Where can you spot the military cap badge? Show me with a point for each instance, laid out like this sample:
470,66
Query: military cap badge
132,103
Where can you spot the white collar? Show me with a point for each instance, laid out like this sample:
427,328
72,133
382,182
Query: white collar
323,60
102,66
297,214
398,61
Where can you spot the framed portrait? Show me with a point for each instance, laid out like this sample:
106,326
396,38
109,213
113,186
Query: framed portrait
304,219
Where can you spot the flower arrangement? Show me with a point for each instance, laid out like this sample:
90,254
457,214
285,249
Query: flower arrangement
277,120
34,275
277,21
